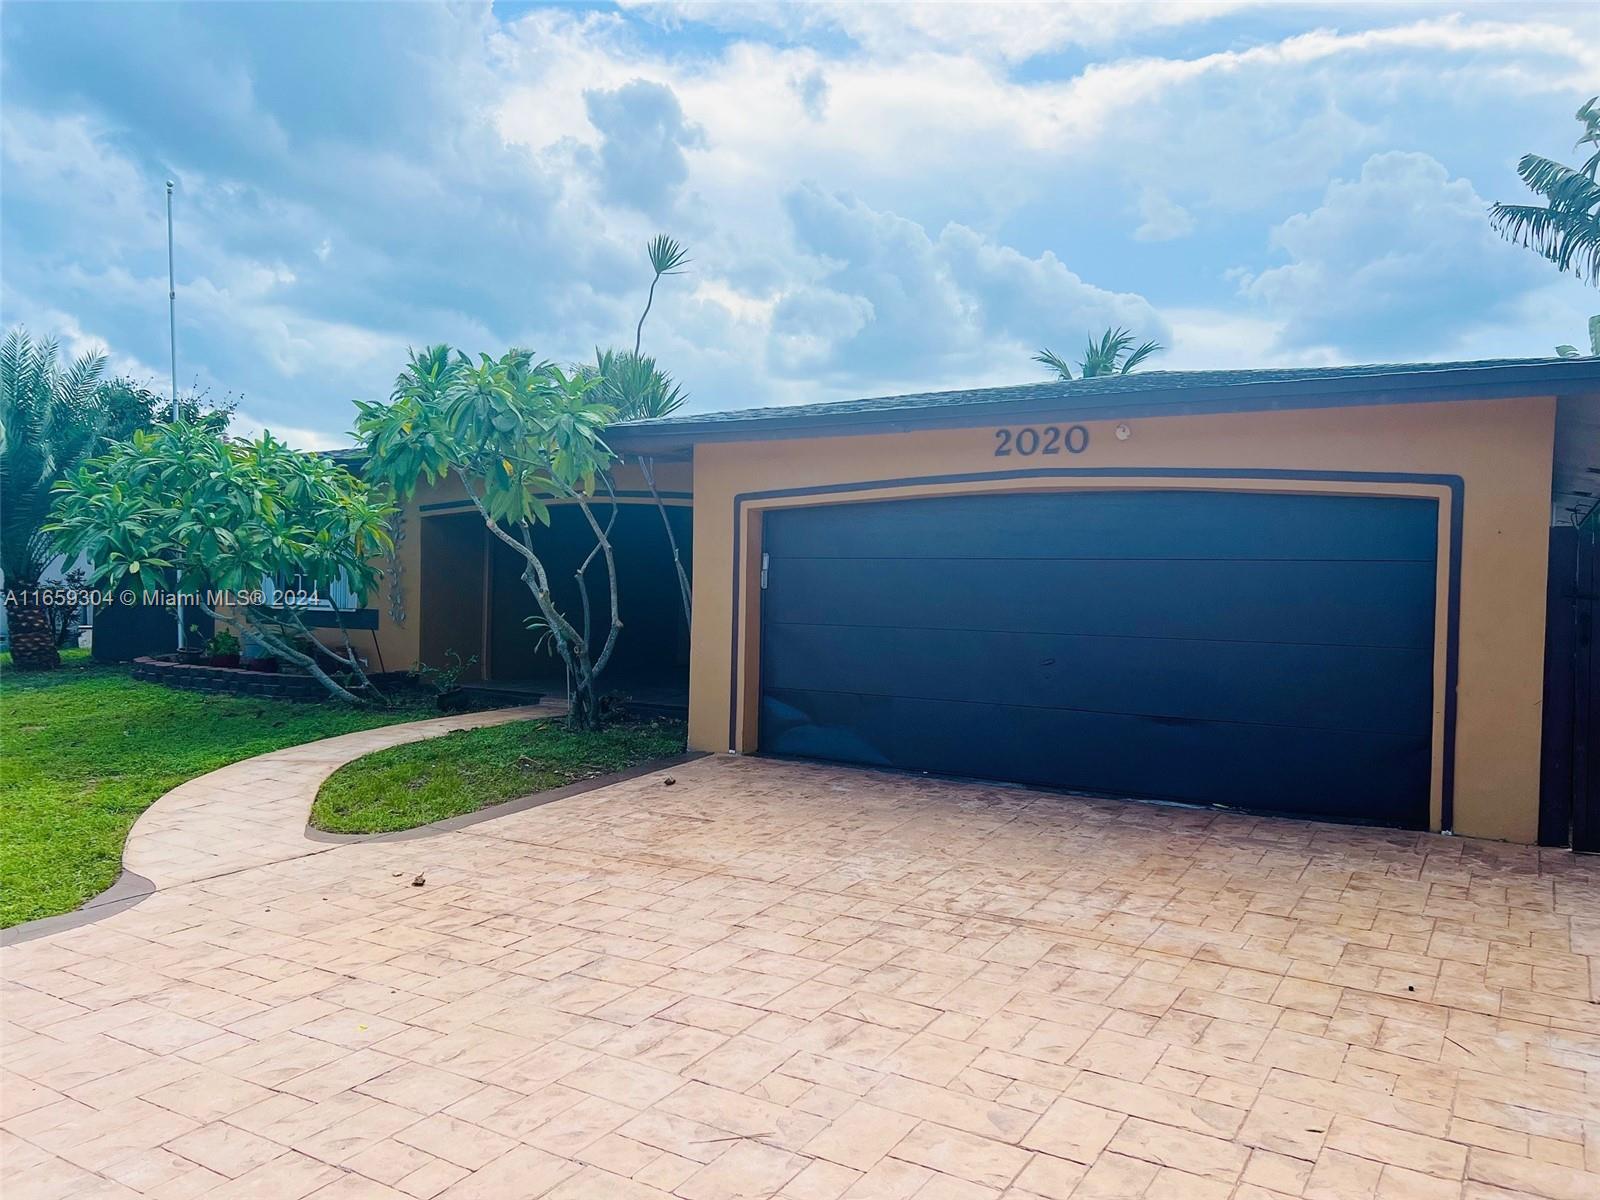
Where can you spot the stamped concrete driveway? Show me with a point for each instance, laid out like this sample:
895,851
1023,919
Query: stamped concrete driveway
814,982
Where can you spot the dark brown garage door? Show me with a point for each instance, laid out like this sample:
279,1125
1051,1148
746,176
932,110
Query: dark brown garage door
1259,651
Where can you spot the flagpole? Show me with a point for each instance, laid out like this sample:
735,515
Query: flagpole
172,348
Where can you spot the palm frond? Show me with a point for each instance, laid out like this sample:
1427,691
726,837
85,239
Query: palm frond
79,379
1139,355
1567,229
1101,358
1589,113
50,424
1055,362
1568,239
633,385
667,255
1565,188
1112,353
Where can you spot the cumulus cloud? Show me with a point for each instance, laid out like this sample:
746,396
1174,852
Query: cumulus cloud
1392,262
643,136
812,88
248,425
891,301
875,199
1162,218
989,28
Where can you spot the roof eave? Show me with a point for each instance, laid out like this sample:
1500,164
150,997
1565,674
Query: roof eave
1351,391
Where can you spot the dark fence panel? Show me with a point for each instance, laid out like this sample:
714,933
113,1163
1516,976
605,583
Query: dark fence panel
124,632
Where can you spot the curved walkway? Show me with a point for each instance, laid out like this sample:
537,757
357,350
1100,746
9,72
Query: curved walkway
251,813
254,812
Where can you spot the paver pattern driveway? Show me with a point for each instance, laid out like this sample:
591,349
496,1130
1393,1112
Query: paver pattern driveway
814,982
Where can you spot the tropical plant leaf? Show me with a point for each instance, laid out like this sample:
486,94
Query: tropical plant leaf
1569,240
1564,187
667,255
1139,355
633,386
1566,230
1055,362
50,424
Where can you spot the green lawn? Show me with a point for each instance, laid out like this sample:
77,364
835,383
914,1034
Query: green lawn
86,749
411,785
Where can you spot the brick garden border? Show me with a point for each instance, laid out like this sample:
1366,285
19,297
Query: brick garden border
236,681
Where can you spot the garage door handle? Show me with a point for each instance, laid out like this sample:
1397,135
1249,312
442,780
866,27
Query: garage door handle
765,560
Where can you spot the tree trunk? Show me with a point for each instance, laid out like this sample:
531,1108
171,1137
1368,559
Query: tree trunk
33,640
585,711
570,643
246,628
647,468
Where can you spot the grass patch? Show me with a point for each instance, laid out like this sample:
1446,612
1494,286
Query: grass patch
86,749
71,656
461,772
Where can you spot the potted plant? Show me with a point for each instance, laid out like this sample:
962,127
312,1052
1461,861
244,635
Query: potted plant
223,649
192,652
448,693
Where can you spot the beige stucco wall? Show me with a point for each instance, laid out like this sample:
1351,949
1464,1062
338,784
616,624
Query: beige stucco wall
1501,450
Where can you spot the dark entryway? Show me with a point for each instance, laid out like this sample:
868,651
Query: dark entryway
1569,793
1271,652
652,651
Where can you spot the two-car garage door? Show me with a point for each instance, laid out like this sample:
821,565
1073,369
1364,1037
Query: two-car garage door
1257,650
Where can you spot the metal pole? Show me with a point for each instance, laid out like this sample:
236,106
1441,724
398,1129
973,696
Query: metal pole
172,307
172,347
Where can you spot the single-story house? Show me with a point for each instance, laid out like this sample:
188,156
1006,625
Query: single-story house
1349,592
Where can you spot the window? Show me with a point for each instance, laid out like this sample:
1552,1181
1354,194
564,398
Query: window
300,592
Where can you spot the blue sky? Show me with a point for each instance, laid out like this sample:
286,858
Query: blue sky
876,198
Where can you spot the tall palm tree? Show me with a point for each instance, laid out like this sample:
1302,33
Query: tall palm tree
50,422
634,386
1113,354
1566,228
667,257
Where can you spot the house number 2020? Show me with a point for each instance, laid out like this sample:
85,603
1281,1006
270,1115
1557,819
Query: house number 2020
1047,439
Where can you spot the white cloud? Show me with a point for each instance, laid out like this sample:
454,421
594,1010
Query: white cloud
876,199
248,425
892,303
1532,324
1011,32
1393,261
1162,218
43,321
641,160
1237,126
1216,339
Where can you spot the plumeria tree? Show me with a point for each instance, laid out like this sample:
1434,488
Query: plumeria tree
518,434
183,506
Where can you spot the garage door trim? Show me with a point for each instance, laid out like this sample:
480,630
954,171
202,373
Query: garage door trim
1453,484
